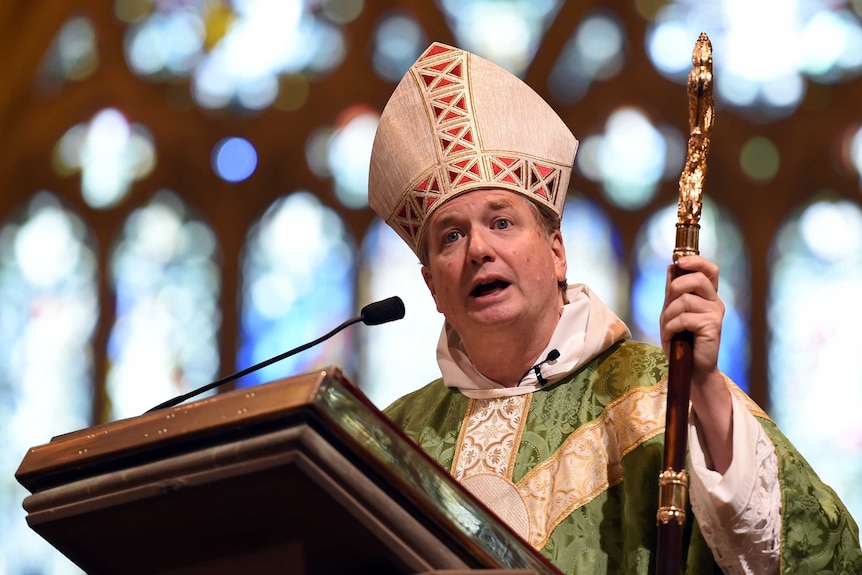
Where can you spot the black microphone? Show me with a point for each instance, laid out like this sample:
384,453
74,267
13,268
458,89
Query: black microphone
382,311
552,355
389,309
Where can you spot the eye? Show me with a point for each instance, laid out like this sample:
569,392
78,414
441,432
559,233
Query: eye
451,236
502,224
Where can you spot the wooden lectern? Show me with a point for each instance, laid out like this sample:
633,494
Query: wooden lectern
302,475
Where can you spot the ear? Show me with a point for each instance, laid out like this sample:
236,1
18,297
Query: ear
429,282
558,249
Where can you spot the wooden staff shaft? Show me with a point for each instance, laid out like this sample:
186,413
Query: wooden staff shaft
672,494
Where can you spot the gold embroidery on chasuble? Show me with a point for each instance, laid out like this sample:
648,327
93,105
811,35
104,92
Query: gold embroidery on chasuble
490,435
749,403
485,456
588,463
590,460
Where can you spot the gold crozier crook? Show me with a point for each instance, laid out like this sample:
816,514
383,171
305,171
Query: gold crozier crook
701,115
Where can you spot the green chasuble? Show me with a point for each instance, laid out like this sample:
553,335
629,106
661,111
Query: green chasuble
581,461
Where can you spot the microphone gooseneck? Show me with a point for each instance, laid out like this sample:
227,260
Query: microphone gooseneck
376,313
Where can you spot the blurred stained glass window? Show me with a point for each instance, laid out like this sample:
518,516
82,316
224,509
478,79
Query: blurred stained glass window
506,32
164,271
110,154
48,309
72,56
720,241
769,48
342,151
399,357
595,51
852,148
235,53
631,157
594,253
814,314
298,278
398,41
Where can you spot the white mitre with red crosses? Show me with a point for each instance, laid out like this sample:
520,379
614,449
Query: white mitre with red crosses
456,123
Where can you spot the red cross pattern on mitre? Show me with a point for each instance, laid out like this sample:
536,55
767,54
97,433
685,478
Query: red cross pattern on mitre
441,74
536,178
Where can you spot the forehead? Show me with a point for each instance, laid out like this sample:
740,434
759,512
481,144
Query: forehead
479,200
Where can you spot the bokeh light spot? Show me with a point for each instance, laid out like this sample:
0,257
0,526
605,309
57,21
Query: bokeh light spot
759,159
234,159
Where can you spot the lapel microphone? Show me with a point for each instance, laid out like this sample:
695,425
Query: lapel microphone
553,355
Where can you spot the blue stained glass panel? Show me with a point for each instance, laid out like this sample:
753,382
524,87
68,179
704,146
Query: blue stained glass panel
594,253
48,310
165,275
400,357
814,314
298,281
505,32
720,241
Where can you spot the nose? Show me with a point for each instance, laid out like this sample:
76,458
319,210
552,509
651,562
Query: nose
480,248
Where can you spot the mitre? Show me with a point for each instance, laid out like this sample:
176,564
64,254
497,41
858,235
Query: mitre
455,123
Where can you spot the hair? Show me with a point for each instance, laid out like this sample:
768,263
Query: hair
549,222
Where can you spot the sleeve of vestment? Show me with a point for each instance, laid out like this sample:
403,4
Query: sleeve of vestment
770,511
739,513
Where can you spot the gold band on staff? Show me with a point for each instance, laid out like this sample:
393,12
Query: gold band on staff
672,488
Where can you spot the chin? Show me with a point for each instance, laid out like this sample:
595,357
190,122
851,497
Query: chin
494,317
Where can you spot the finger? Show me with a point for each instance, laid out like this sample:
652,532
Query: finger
668,279
690,302
700,264
700,324
692,283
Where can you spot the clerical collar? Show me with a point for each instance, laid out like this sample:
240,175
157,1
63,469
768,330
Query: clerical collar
587,327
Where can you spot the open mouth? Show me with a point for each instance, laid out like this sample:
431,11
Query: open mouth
489,287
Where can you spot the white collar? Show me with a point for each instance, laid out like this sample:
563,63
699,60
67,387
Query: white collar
587,327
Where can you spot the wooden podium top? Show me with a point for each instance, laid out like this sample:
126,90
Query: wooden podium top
305,446
138,438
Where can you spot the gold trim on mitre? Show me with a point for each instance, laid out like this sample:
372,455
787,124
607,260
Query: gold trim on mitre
456,123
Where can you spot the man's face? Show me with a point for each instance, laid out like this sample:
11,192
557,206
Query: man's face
491,267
